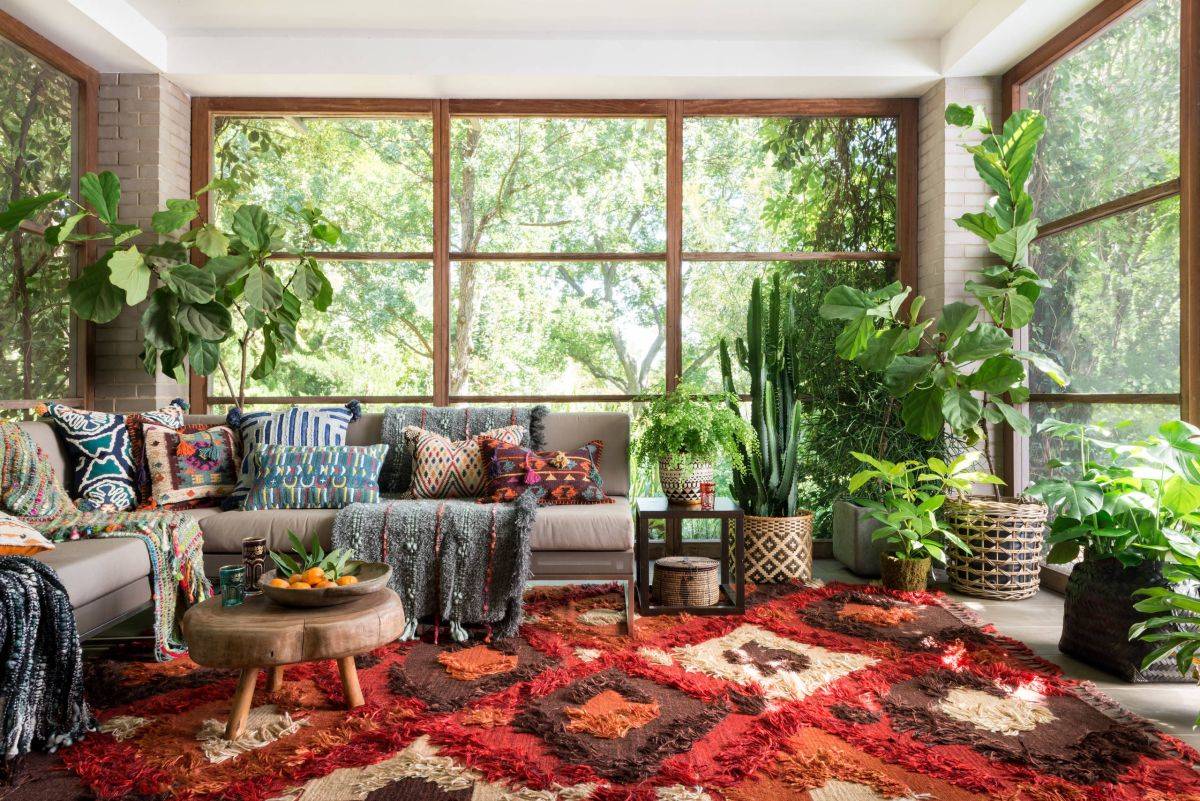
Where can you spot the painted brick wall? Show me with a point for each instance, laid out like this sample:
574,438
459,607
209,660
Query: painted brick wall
145,134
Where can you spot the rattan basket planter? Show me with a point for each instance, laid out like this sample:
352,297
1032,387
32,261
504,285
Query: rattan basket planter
779,548
687,581
907,575
681,485
1005,538
1098,611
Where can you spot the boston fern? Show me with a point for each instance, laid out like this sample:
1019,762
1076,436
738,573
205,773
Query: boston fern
239,291
687,427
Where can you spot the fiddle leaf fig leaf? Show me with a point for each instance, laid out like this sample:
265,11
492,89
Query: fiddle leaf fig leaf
1012,245
268,359
57,234
921,412
846,303
128,270
980,223
191,284
209,321
177,214
307,281
253,226
955,319
227,269
997,375
1017,421
93,295
980,342
103,193
26,208
263,290
905,372
203,355
211,241
961,409
158,320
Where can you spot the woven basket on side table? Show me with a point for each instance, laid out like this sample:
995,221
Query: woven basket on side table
1005,538
779,548
687,581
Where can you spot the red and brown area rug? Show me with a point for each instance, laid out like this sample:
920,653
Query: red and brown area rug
836,693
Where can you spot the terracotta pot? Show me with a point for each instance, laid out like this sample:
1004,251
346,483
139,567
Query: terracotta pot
681,485
909,575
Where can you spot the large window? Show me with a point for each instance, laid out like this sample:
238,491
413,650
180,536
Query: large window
1107,187
46,98
570,251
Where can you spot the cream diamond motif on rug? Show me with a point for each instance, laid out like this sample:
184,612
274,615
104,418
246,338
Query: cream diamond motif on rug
1008,715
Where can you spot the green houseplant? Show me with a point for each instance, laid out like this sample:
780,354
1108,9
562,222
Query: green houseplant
910,493
961,371
778,533
685,431
240,290
1129,514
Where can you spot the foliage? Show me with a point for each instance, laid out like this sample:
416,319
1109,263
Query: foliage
965,372
768,354
910,495
335,564
238,292
1172,626
686,427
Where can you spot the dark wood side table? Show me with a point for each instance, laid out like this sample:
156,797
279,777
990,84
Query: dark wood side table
733,588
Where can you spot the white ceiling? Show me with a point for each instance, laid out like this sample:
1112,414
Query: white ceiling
551,48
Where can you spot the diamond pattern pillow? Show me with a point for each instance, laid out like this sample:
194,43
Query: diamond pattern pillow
189,467
553,477
99,447
446,468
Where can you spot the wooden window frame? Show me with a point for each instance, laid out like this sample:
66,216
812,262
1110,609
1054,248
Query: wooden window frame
1015,462
86,121
674,112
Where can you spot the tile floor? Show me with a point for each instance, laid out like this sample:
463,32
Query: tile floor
1037,622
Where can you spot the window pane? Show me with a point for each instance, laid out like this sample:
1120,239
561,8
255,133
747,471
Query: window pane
1112,113
375,339
789,184
373,177
716,294
1111,317
1144,420
556,329
561,185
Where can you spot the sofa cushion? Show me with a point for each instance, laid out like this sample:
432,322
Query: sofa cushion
591,527
223,532
90,569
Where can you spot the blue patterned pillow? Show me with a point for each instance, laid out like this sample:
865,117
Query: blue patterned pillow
294,426
98,443
329,477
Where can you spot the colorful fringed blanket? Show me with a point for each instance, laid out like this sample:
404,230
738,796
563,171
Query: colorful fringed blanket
30,490
41,684
453,561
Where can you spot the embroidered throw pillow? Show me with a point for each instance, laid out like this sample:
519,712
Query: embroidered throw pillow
330,477
554,477
187,467
294,426
18,538
98,443
448,468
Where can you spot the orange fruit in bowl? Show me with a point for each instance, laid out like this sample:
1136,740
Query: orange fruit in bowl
325,584
344,580
299,585
278,582
314,575
292,579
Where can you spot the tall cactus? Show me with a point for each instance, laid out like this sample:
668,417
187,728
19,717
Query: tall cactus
768,354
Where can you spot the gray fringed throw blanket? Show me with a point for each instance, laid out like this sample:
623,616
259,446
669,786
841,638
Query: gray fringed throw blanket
456,561
41,684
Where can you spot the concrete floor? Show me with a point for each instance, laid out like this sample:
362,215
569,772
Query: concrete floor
1037,622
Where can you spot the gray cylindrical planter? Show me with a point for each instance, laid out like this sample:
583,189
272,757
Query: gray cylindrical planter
852,546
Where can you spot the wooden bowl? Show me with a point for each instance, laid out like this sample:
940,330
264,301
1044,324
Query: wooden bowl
372,577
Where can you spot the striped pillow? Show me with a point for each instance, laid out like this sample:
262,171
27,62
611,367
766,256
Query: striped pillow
331,477
294,426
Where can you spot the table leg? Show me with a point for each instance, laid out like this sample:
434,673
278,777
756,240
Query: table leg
242,699
350,688
275,679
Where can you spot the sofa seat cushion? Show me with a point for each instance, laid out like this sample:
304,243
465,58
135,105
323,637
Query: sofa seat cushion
586,527
224,531
90,569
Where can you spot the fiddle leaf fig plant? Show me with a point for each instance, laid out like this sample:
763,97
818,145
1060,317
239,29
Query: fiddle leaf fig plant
243,290
961,371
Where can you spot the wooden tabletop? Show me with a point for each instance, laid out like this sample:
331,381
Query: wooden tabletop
261,633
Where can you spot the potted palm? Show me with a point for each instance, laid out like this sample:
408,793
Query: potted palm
909,497
685,432
1127,514
778,532
961,372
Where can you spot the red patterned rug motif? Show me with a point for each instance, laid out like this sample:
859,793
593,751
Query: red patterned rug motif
837,693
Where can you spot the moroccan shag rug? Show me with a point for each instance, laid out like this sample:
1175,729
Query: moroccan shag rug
837,693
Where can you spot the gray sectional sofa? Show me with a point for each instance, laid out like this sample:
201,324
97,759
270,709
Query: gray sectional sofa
109,580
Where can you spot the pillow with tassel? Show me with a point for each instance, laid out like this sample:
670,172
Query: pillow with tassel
553,477
190,467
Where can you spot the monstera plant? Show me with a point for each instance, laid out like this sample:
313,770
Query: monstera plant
241,289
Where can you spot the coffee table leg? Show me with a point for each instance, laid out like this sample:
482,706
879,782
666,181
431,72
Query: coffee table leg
242,699
350,688
275,679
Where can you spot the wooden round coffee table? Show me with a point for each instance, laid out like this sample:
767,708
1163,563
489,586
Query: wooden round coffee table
262,634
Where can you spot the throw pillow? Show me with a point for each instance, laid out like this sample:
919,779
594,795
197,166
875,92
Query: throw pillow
187,467
294,426
99,446
18,538
553,477
330,477
447,468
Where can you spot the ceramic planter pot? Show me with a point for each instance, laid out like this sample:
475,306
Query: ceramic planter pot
681,485
908,575
852,528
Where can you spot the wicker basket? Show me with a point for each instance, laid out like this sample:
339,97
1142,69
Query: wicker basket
681,485
779,548
1005,538
687,580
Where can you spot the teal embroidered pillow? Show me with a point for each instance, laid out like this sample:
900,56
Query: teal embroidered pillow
100,450
307,477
